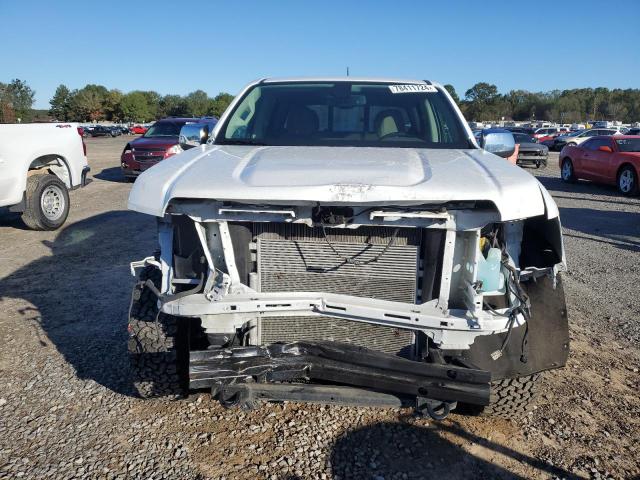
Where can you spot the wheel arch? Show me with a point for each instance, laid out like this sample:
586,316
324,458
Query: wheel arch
56,164
627,164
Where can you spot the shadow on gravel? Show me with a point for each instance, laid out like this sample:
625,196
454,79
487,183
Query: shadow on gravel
389,450
112,174
620,229
11,219
80,294
555,184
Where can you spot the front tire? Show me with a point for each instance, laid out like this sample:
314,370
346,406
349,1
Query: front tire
512,397
567,172
627,181
158,346
47,202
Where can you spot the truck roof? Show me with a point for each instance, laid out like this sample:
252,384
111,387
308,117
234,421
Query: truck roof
345,79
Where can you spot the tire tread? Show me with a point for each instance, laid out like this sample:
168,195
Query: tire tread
512,397
154,341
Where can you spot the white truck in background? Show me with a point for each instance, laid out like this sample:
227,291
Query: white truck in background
39,164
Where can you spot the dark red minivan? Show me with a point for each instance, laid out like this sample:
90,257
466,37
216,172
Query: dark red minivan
159,142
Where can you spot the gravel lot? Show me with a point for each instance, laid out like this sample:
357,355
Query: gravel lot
67,409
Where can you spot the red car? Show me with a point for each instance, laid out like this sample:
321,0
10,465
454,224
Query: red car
542,134
138,129
613,160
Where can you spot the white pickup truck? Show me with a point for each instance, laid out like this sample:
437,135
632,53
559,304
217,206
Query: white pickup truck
347,240
39,164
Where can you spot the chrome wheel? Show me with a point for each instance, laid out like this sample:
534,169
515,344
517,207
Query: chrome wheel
626,181
52,202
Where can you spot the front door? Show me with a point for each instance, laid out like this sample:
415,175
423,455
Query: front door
594,160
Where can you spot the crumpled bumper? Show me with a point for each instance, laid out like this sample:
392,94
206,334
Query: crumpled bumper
338,364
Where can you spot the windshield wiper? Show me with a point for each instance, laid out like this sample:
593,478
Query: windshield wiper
243,142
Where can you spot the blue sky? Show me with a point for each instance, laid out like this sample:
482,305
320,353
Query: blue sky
178,47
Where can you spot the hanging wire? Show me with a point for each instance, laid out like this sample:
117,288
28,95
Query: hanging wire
353,260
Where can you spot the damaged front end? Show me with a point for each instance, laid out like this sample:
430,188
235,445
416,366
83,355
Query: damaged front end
365,304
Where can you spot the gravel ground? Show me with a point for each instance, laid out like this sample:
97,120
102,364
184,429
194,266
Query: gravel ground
67,409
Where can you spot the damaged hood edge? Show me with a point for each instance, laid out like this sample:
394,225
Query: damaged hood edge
341,175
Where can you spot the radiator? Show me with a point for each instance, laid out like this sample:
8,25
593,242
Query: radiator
298,258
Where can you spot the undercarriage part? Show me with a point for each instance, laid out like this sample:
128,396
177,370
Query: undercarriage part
435,409
247,395
340,364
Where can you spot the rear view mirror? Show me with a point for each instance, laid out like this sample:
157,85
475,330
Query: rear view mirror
499,143
193,135
605,148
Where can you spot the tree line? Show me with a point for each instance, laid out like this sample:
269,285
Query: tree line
94,103
482,102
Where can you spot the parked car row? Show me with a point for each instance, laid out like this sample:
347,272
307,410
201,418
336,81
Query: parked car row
112,130
580,136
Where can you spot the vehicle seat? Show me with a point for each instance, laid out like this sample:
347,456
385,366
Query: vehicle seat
388,122
301,122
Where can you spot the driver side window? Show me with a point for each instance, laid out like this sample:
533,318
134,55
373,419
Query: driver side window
592,144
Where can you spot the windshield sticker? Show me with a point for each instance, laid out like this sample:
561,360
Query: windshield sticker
415,88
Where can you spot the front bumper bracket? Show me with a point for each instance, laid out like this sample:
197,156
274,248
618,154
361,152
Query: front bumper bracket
337,364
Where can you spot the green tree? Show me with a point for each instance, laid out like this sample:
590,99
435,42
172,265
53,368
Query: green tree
219,104
482,92
481,101
111,105
88,103
7,113
173,106
16,101
452,91
198,103
135,107
60,108
153,103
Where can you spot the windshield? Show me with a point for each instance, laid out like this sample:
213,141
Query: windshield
163,129
576,133
628,144
345,114
522,138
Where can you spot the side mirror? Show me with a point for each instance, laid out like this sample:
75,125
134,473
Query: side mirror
605,148
499,143
193,135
